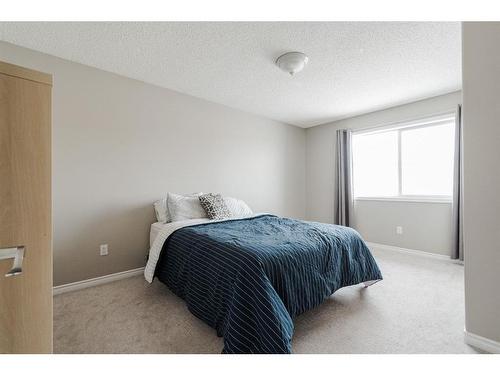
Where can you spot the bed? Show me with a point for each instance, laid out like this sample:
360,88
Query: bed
248,278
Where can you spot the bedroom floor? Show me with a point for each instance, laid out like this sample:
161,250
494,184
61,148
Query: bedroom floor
417,308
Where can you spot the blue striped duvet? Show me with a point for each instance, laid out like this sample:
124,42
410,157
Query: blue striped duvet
249,278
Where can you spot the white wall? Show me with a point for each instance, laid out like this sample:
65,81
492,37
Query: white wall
426,226
119,144
481,134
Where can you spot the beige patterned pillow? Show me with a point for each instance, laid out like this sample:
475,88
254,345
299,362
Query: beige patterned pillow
214,206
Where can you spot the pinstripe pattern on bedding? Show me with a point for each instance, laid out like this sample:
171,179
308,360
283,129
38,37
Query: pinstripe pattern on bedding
249,278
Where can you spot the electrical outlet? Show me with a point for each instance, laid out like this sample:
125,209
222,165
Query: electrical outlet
399,230
104,249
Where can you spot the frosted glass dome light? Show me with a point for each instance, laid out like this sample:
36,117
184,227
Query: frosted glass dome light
292,62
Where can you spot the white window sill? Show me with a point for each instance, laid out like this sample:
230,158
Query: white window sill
406,199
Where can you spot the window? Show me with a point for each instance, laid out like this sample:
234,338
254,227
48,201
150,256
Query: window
410,161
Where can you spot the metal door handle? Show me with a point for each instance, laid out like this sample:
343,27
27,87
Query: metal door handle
16,253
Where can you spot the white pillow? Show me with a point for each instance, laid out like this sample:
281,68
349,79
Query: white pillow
161,208
161,211
184,207
237,207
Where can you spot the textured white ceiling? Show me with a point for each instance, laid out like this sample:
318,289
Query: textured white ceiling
354,67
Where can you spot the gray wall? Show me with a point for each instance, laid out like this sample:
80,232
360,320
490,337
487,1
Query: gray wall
426,226
119,144
481,88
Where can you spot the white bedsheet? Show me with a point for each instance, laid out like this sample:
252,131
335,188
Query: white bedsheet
163,231
155,229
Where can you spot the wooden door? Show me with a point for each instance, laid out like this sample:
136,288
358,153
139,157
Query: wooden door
25,209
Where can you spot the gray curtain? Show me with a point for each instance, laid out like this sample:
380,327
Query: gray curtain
457,215
343,176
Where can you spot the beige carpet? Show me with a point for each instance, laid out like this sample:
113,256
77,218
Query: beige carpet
417,308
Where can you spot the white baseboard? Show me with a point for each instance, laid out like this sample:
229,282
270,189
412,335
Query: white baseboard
408,251
96,281
482,343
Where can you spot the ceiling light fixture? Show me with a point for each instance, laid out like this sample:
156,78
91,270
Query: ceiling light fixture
292,62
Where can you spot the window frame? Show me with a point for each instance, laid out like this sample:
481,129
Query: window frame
399,127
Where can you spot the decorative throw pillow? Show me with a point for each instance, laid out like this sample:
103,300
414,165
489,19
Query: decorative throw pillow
214,206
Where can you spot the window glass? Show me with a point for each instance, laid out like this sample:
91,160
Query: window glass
405,161
375,164
427,160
